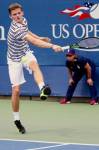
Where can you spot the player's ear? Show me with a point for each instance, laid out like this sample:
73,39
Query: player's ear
23,13
10,16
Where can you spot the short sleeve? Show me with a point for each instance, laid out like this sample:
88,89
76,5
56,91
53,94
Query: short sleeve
84,61
21,33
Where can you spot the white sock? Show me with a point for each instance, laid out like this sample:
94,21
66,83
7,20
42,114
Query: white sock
16,116
41,85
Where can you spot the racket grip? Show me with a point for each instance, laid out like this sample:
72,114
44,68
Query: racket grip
65,48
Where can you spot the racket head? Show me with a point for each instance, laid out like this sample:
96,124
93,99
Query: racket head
89,43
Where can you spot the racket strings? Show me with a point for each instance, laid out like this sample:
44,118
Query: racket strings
86,44
89,43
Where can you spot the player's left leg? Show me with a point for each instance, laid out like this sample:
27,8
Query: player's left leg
38,76
32,63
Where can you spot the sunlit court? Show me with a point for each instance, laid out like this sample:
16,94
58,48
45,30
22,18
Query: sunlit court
49,75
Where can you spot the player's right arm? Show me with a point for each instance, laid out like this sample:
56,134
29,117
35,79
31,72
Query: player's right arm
40,43
46,39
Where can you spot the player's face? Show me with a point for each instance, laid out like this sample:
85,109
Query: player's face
71,57
17,15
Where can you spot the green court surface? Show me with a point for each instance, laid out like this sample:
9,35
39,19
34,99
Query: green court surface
50,121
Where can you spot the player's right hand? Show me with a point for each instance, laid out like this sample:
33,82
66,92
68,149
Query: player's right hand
57,48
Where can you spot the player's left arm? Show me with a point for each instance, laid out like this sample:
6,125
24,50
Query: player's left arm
88,71
46,39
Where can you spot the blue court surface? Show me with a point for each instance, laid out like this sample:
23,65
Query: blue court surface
9,144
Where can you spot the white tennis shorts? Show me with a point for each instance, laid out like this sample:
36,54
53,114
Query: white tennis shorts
15,69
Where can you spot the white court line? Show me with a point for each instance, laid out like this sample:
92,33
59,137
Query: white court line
40,148
84,144
36,141
59,143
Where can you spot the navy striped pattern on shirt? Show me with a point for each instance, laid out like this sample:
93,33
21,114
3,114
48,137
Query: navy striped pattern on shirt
17,45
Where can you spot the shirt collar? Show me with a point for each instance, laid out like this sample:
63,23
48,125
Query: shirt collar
19,24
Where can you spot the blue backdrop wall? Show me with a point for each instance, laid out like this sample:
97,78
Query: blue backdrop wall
45,19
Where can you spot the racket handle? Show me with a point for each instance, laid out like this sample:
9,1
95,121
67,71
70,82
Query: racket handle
65,47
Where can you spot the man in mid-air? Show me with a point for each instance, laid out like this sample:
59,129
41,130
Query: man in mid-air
19,55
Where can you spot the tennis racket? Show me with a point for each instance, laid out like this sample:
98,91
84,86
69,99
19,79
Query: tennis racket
86,44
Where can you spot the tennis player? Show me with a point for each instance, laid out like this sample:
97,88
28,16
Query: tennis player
78,66
20,55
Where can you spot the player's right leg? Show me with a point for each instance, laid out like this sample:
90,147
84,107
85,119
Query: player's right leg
16,78
15,108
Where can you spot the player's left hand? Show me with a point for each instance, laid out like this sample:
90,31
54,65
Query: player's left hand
45,39
57,48
90,81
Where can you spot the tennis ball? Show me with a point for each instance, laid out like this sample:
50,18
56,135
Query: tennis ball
24,59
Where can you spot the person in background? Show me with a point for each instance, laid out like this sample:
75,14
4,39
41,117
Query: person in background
78,66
